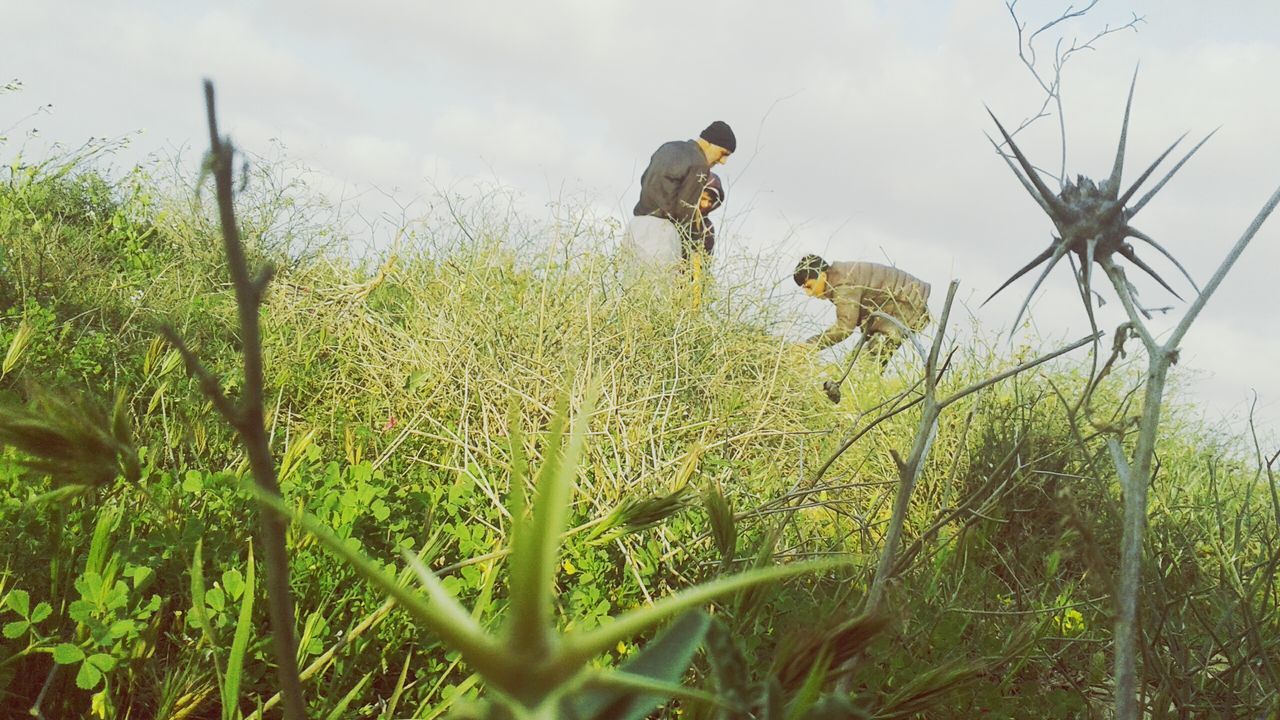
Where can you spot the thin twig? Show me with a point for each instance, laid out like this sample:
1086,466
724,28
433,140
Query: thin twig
247,416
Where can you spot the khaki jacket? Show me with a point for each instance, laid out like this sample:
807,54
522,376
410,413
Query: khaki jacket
860,288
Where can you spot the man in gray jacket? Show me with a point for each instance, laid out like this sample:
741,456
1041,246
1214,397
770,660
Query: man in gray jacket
673,182
858,289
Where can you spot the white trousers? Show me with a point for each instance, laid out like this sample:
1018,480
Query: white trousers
649,252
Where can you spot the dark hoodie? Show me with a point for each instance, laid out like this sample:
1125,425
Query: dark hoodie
673,182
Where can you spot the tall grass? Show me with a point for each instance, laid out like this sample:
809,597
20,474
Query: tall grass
395,388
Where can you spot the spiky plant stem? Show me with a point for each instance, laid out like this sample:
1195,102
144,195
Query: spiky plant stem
1135,475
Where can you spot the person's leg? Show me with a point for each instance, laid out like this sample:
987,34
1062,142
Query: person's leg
881,346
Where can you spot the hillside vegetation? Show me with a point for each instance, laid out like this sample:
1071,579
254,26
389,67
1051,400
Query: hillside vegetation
131,585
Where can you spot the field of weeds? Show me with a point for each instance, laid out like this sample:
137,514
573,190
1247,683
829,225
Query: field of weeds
405,391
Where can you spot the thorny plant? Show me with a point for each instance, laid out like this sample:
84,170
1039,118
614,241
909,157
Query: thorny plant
1093,224
1091,219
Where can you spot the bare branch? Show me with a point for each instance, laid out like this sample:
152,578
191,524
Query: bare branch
1023,367
251,420
208,383
1198,304
1052,84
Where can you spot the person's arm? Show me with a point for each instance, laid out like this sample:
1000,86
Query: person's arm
848,302
688,191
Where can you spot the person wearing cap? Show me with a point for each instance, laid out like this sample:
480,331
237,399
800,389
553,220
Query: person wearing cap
858,289
667,217
712,198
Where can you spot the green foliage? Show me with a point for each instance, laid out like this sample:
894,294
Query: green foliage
531,671
408,397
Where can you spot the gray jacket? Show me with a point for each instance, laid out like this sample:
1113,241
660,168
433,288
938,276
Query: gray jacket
673,182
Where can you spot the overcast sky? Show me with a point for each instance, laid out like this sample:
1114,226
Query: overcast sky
860,124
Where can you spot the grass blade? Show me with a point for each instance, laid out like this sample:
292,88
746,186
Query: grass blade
239,645
394,700
646,679
198,606
338,710
580,647
535,548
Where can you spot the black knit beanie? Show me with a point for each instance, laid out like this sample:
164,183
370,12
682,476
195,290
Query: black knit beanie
719,133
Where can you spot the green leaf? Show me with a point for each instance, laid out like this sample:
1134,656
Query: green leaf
193,482
42,611
663,660
535,545
15,629
66,654
104,662
380,510
88,677
582,646
89,585
80,610
120,628
141,576
216,598
233,583
20,602
239,643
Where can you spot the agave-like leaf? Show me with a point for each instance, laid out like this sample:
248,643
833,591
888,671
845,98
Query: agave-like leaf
1134,233
579,647
1113,183
1059,250
1035,195
1025,269
1086,273
534,551
647,678
440,612
1133,258
1142,178
1151,193
1057,211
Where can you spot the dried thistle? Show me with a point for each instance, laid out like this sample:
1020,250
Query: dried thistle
1091,219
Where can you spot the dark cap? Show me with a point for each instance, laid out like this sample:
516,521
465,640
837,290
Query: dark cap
719,133
808,268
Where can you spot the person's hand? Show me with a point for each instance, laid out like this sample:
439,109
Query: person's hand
832,389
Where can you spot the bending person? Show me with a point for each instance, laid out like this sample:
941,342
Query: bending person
858,289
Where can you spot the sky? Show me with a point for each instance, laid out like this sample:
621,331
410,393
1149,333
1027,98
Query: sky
860,126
